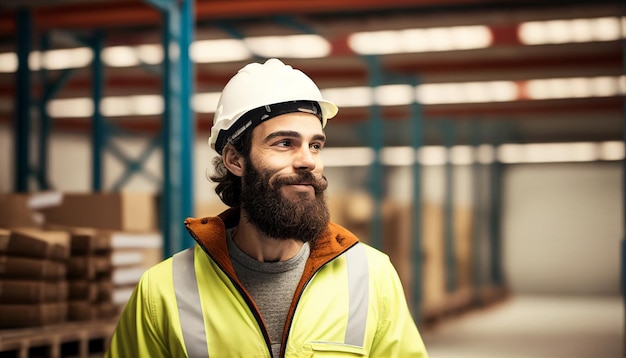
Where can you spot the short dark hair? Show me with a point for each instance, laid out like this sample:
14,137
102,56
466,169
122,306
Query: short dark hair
228,184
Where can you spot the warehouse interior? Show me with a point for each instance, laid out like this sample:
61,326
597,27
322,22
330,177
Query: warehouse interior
480,144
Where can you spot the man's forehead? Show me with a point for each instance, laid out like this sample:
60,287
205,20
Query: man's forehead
297,123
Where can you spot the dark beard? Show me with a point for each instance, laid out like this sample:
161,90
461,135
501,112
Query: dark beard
279,217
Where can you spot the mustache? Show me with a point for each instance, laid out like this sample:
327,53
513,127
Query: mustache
319,184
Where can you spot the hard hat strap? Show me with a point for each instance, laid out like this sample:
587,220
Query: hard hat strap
255,116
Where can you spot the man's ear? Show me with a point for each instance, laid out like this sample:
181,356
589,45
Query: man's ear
233,161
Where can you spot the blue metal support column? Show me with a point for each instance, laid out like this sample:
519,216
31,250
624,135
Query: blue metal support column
449,232
45,122
495,218
98,128
417,251
477,214
50,88
624,190
376,138
178,127
22,101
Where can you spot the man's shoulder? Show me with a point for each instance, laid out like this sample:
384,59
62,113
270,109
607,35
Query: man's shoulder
372,252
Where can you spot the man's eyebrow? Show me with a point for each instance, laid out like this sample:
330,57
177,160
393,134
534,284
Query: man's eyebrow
293,134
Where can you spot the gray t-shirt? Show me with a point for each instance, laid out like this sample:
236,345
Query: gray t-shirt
271,285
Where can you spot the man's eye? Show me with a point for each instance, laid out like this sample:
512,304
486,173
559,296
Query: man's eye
317,146
284,143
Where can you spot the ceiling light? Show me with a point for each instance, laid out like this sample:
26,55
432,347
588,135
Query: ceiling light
461,155
141,105
205,102
467,92
394,95
70,108
485,154
568,31
120,56
146,105
67,58
348,157
8,62
420,40
433,155
548,152
116,106
149,54
511,153
398,156
611,150
291,46
551,88
222,50
350,96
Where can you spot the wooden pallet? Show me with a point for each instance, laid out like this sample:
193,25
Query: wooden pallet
70,339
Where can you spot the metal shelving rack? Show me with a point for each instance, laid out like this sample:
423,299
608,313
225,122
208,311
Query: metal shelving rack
175,137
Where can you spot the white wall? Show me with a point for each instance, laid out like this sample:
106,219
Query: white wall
562,227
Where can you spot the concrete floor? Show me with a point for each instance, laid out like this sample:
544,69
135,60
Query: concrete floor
534,327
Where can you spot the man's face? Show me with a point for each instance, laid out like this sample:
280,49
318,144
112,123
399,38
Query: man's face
282,185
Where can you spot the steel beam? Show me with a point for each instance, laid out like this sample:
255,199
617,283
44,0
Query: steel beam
449,214
376,143
417,249
624,189
22,101
98,129
495,221
178,127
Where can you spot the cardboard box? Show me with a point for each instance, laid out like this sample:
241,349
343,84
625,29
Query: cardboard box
26,268
88,311
108,310
91,266
32,291
82,311
31,315
88,240
83,290
35,242
16,212
82,267
124,211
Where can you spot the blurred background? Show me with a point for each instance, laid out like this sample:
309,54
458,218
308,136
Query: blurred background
480,144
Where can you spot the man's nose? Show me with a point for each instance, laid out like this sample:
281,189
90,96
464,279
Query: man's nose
304,159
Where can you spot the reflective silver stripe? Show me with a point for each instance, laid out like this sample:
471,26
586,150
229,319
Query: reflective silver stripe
188,301
358,291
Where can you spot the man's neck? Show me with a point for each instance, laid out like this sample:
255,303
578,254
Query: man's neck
262,248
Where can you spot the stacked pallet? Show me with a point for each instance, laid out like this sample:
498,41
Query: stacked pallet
68,339
33,285
104,268
68,264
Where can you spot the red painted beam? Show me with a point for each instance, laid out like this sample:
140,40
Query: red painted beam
138,13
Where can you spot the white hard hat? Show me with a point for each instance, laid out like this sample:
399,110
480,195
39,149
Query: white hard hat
259,87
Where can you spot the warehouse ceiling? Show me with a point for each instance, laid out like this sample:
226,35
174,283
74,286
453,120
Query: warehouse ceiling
566,119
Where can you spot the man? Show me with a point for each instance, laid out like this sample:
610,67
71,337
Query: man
272,276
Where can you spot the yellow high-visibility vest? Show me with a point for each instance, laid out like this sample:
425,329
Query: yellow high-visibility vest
349,302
